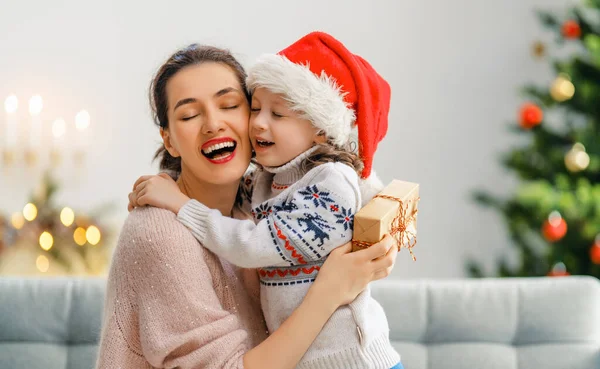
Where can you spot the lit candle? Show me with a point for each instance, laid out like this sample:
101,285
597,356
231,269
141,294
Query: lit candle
35,135
11,105
82,122
59,128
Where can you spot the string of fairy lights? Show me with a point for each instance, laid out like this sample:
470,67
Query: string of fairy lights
81,235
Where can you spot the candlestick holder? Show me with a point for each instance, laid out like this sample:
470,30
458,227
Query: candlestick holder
29,145
31,158
8,157
79,157
55,158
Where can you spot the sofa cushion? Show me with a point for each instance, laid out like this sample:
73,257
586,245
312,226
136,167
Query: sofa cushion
494,323
50,323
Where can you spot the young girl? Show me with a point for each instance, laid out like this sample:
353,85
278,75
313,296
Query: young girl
305,102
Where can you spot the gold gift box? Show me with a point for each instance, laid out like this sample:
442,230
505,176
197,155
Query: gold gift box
393,211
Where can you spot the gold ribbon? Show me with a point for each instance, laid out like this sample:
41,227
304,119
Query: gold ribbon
398,229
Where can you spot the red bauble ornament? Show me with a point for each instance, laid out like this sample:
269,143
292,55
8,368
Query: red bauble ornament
530,115
554,230
558,273
571,29
595,253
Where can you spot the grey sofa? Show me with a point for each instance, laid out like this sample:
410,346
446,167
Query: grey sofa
542,323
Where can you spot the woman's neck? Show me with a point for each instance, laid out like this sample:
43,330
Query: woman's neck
215,196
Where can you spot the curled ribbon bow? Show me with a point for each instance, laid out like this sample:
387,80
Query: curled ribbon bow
399,228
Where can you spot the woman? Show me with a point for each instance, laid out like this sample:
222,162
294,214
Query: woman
172,303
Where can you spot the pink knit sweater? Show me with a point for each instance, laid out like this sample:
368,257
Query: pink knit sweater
172,303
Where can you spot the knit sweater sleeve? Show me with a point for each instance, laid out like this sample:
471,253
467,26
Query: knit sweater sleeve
181,320
304,227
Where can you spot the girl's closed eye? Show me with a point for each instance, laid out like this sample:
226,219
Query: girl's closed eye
277,115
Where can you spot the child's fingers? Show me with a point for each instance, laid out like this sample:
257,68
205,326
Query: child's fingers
141,186
165,175
142,199
141,179
132,200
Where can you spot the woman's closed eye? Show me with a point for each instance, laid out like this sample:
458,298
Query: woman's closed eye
189,117
230,102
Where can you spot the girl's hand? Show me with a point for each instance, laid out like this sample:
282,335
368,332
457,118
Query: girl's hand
345,274
160,191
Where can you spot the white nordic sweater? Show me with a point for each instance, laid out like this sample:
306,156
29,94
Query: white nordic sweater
298,219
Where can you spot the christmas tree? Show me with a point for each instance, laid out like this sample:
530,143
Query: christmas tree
46,238
553,217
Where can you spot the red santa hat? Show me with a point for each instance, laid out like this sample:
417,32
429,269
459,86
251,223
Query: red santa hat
338,91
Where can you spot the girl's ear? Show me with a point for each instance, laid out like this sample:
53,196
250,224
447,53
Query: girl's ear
320,137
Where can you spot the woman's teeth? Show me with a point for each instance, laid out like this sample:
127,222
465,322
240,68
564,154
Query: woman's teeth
218,146
220,150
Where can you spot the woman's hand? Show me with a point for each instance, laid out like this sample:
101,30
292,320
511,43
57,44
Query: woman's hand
159,190
345,274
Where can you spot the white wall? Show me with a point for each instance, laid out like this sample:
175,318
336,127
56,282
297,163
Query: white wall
454,68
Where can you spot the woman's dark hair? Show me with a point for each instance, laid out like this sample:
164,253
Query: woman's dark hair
193,54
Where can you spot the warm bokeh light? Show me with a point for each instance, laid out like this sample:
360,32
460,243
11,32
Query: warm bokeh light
17,220
42,263
79,236
46,241
67,216
30,212
93,235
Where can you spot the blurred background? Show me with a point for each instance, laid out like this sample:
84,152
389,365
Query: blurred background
494,113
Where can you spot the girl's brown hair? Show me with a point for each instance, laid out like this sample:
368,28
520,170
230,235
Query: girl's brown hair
330,153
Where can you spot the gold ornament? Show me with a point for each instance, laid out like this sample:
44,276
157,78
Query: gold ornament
577,159
538,49
562,88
